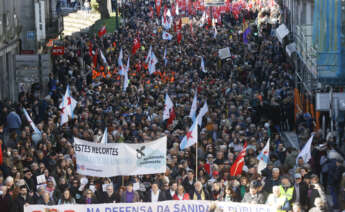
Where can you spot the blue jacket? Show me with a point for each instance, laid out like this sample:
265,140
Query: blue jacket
13,121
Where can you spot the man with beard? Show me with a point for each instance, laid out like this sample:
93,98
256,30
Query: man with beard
254,196
22,199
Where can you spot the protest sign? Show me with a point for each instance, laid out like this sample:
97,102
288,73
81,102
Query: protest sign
224,53
115,159
166,206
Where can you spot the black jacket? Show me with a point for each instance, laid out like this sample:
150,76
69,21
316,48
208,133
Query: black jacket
161,197
303,194
110,199
20,202
188,188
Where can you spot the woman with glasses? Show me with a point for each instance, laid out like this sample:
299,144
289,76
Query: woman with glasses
89,197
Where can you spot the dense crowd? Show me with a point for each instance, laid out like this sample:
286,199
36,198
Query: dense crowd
250,99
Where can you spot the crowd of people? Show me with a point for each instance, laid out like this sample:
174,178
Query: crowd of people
249,96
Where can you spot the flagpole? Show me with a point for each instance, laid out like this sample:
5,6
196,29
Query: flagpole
196,161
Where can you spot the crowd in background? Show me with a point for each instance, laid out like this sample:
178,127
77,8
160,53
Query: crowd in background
250,99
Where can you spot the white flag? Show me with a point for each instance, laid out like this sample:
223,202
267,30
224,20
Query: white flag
201,114
191,137
103,58
152,63
176,9
202,20
67,106
203,65
105,137
306,151
168,106
120,64
194,107
36,130
126,81
166,23
215,32
166,36
263,157
148,55
165,57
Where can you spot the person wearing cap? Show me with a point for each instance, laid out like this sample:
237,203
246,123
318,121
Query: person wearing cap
29,180
300,189
254,196
130,195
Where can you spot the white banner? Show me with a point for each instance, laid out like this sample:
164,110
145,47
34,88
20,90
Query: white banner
166,206
114,159
224,53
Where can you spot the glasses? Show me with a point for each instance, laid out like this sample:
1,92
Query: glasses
89,193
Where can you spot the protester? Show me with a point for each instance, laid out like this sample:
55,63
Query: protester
249,101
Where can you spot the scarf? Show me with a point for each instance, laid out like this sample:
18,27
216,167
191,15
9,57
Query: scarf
199,196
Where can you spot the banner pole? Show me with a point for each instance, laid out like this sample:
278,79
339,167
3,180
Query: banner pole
196,161
123,181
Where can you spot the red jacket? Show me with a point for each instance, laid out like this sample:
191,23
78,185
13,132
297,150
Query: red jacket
185,197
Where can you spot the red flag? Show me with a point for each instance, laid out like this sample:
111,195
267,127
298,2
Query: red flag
236,168
102,31
172,117
207,168
136,45
179,27
179,36
173,8
175,29
158,7
151,12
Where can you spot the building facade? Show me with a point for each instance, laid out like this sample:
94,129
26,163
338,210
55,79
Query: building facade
9,47
25,27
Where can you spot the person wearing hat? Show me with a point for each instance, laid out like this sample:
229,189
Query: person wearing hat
254,196
29,180
130,195
300,189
